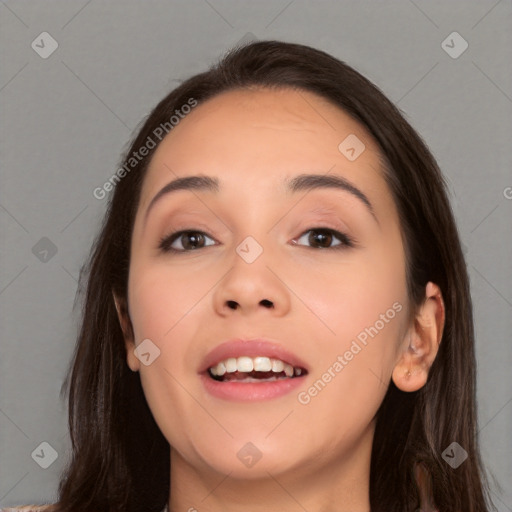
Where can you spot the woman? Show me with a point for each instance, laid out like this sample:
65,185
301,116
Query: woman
277,312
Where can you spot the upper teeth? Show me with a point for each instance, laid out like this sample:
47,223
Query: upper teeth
258,364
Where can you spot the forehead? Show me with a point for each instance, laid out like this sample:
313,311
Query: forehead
254,139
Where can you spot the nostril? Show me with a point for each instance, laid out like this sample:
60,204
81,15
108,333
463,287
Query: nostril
232,304
267,303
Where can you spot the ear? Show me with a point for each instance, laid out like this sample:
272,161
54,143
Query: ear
421,342
127,328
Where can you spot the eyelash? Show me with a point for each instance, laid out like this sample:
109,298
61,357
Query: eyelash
165,242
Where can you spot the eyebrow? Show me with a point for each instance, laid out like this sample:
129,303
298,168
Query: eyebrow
298,183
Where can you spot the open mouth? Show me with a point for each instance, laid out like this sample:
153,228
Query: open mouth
254,369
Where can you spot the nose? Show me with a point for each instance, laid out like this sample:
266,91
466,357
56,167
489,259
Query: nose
251,288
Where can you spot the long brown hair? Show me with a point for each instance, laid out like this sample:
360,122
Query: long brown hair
120,460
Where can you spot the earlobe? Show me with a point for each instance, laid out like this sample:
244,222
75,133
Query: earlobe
421,343
126,327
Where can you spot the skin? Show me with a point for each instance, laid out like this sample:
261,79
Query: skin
315,456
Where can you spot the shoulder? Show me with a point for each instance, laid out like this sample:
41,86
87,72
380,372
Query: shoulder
29,508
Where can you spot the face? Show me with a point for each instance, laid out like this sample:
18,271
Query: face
317,274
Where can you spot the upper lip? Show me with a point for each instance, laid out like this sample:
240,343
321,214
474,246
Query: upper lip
251,348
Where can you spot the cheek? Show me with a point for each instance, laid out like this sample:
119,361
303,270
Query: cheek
160,298
165,307
365,307
353,369
368,291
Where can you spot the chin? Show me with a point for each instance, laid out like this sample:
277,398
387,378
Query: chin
247,459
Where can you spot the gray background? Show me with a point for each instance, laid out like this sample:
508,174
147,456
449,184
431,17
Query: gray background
66,119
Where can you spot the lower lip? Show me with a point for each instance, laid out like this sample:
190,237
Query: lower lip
250,391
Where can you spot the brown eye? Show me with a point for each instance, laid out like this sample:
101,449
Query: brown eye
188,240
322,238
